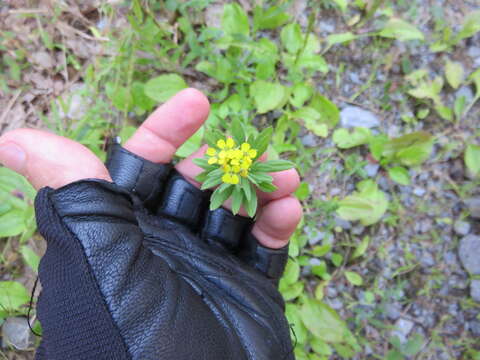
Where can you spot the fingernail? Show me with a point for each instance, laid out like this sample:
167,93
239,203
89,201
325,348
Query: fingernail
12,156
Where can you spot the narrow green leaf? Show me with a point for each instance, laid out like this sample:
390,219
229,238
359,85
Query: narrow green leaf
30,257
340,38
400,175
361,249
401,30
247,188
454,73
260,177
219,197
472,159
251,205
273,165
237,200
262,141
267,187
237,131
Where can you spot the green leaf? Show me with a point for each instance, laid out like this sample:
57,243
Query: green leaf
293,316
292,38
414,344
163,87
214,178
12,223
320,347
471,25
303,191
192,144
321,250
237,200
293,291
300,94
337,259
251,204
120,96
312,120
400,175
220,195
12,295
291,273
237,131
329,113
342,4
354,278
267,96
361,249
267,187
203,163
273,165
345,139
401,30
258,177
454,73
368,204
262,141
410,149
247,188
340,38
472,159
322,321
235,20
269,19
11,182
30,257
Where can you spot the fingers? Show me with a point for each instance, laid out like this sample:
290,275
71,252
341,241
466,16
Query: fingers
277,222
279,212
50,160
158,138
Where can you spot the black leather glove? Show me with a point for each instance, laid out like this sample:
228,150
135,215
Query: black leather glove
140,269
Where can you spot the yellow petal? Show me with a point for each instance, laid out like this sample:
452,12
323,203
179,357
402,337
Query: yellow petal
245,147
222,154
244,173
252,153
211,151
221,144
226,178
212,160
230,153
221,161
234,162
238,154
230,143
227,168
236,169
235,179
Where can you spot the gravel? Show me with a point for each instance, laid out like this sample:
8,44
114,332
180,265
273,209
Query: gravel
16,333
473,205
475,290
462,227
469,253
403,327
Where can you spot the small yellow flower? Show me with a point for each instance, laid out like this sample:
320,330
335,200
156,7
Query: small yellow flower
221,144
235,179
222,154
212,160
245,147
236,169
230,143
252,153
244,173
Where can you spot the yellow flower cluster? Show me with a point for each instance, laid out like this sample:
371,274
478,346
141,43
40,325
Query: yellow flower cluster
234,160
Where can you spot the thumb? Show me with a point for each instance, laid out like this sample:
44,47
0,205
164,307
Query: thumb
50,160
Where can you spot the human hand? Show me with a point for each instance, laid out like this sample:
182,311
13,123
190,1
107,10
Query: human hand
119,282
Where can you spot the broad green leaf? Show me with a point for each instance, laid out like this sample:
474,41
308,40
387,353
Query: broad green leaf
340,38
337,259
30,257
342,4
291,273
329,113
192,144
312,120
471,25
303,191
400,175
313,62
321,250
401,30
139,97
290,292
320,347
472,159
163,87
120,96
11,182
12,295
293,316
322,321
268,96
367,205
292,38
354,278
220,69
12,223
410,150
270,18
414,344
454,73
301,93
235,20
345,139
361,249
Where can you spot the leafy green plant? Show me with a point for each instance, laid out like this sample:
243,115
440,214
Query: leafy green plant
231,162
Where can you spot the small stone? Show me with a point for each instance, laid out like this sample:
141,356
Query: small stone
473,205
475,290
354,116
418,191
402,329
371,169
466,92
16,333
427,259
335,191
314,261
344,224
309,140
213,15
461,227
469,253
43,59
474,327
393,311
